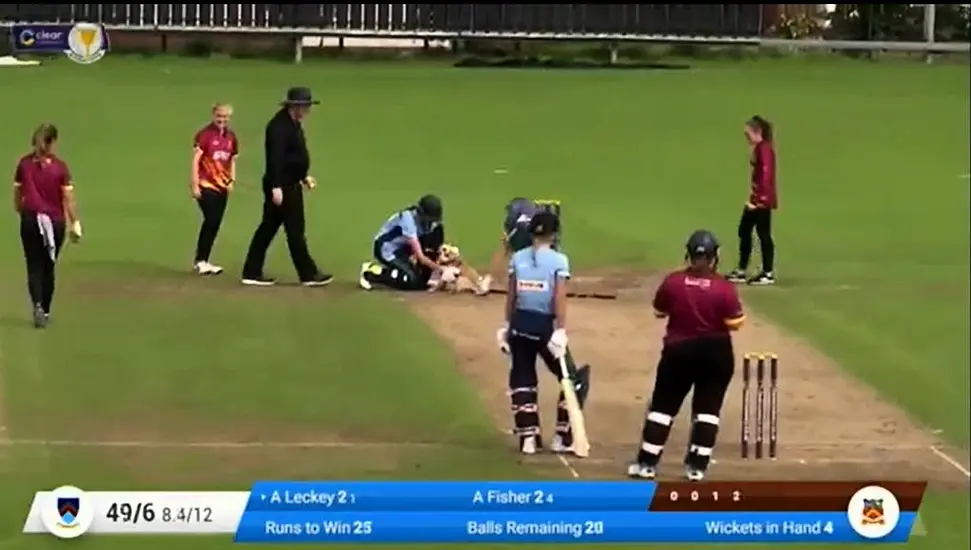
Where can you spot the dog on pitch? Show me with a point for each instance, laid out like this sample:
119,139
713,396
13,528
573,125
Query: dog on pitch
456,275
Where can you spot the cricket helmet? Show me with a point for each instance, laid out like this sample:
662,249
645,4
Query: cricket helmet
702,244
520,206
429,207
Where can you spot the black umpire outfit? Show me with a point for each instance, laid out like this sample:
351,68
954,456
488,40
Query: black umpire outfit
287,166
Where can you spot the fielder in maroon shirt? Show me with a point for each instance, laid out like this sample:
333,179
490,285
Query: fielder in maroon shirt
214,152
762,200
44,197
702,309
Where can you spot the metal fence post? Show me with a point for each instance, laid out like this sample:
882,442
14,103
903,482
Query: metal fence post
930,16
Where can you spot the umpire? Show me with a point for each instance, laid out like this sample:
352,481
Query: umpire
287,167
702,308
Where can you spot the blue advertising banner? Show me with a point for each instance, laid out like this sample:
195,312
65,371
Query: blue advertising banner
82,42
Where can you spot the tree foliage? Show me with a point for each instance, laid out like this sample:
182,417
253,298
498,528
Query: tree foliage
899,22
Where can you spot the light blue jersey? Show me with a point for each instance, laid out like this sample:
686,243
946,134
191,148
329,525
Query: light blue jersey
401,227
537,271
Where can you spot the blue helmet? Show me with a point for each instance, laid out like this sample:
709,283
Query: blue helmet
517,209
702,244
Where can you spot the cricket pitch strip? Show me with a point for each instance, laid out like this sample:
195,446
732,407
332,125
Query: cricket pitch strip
820,434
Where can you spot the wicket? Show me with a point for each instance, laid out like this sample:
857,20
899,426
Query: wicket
762,415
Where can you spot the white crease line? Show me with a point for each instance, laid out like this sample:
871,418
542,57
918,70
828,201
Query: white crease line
565,462
952,461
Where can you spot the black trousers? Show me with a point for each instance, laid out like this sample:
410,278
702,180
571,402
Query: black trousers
759,220
212,204
705,365
42,245
290,215
528,337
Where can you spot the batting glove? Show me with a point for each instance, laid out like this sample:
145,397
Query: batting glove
502,339
557,343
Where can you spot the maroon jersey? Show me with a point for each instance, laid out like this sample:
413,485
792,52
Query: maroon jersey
219,148
42,181
697,306
763,192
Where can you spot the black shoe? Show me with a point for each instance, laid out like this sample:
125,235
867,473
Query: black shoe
737,276
259,280
320,279
41,318
762,279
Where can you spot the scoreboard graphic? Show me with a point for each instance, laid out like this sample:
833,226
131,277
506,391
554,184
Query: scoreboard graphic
279,512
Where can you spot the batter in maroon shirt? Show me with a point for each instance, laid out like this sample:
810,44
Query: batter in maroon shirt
44,198
762,200
701,309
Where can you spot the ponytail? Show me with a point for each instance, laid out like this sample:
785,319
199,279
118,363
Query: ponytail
43,138
763,126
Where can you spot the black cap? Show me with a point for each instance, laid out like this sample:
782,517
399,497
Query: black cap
430,207
702,244
300,95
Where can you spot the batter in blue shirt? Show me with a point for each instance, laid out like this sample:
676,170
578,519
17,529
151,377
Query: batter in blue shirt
536,327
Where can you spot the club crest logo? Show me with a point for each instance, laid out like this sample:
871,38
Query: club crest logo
67,508
86,43
68,514
873,512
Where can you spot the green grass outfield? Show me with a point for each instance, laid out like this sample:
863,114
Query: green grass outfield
871,164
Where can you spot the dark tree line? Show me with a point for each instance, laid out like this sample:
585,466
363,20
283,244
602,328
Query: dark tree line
898,22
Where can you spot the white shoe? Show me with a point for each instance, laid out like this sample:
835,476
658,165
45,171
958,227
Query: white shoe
693,474
363,282
484,285
528,445
214,269
641,471
202,268
557,446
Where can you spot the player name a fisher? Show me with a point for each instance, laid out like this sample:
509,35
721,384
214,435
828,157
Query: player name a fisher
532,528
312,498
524,498
755,528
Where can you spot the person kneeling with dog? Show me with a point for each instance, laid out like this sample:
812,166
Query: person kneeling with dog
410,253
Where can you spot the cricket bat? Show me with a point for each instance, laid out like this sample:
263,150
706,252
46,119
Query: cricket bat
581,444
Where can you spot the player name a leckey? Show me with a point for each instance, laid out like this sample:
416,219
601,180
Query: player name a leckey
505,497
310,498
